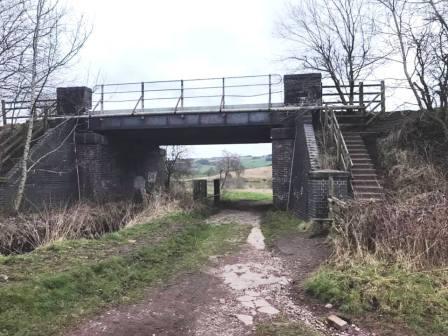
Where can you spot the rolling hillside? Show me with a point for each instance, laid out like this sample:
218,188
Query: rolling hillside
204,167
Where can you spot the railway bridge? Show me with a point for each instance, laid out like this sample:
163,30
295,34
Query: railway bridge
98,143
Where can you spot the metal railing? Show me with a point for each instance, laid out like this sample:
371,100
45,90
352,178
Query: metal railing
332,136
181,95
14,112
370,98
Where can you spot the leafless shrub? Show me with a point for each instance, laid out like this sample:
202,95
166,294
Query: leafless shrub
407,172
160,204
28,231
411,224
415,229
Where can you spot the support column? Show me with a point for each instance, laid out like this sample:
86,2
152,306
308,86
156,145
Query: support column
282,152
73,100
291,160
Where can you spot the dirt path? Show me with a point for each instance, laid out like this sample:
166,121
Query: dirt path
229,296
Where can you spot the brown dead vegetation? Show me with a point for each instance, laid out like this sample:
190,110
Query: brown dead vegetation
28,231
411,224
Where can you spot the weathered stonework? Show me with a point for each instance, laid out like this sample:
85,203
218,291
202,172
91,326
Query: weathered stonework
51,179
298,183
282,152
105,171
73,100
109,170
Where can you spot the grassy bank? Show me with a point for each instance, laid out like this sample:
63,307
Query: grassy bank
275,224
54,287
238,195
282,328
419,299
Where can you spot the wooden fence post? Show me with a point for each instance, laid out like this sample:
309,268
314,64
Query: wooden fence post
199,190
4,112
361,98
383,96
216,190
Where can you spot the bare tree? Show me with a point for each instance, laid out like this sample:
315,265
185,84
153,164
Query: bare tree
53,44
227,164
336,37
175,163
421,34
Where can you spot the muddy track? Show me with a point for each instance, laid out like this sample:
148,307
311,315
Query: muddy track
229,296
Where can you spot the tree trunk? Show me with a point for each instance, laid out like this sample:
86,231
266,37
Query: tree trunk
29,133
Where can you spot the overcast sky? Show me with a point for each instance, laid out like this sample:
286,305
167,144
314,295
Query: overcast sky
147,40
144,40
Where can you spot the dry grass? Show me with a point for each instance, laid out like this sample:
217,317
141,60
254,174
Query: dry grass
26,232
327,154
160,204
411,224
407,172
391,256
413,230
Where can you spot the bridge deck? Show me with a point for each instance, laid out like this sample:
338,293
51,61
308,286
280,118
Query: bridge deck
205,125
245,115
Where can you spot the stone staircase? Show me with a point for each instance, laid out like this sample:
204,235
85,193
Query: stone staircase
365,181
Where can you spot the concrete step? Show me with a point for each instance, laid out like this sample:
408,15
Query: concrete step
368,189
358,151
363,166
368,196
361,160
368,183
354,143
356,146
363,171
351,126
366,177
352,135
355,156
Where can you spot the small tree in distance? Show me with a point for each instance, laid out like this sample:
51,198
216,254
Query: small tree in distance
227,164
176,164
211,171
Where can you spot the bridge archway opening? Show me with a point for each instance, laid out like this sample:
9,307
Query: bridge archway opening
250,172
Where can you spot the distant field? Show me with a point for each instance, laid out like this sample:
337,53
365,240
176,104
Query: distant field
203,167
259,173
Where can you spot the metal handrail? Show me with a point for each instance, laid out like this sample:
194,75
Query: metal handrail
332,130
118,95
191,80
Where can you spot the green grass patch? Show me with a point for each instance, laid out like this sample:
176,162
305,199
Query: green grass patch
285,329
64,255
233,195
275,224
46,300
420,299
